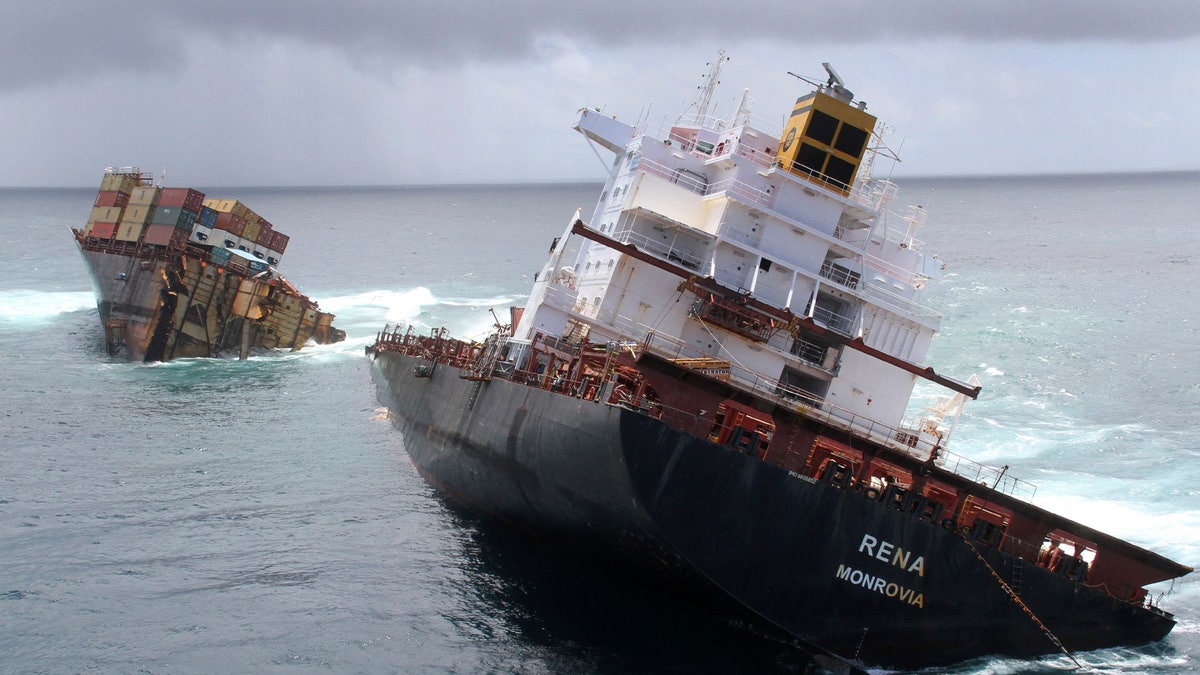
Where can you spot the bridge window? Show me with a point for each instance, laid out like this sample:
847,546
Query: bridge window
822,127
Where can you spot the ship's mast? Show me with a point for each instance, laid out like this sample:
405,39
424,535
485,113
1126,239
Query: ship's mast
742,116
711,80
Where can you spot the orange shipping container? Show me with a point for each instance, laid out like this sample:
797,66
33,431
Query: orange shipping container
230,223
104,230
265,234
188,198
110,198
165,235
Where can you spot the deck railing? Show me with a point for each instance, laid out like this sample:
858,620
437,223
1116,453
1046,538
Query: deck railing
439,348
817,408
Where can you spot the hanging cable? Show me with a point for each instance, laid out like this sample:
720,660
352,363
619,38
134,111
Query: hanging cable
1029,612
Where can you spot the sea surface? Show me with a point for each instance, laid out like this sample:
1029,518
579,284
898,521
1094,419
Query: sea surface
261,516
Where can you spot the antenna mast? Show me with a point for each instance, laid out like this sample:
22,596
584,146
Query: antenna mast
712,79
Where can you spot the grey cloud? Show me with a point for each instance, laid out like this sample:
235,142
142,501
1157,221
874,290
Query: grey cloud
55,40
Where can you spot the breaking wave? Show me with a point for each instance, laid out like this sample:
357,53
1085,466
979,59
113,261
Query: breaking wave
363,315
1103,661
31,308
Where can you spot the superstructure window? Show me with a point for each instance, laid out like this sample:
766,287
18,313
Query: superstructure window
811,157
839,170
821,127
851,140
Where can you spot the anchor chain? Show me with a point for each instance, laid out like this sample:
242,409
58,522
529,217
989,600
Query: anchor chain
1029,612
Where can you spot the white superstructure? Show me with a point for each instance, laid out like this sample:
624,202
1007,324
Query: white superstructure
771,251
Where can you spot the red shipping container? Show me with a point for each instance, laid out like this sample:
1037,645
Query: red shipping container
188,198
163,235
230,223
111,198
266,235
279,242
104,230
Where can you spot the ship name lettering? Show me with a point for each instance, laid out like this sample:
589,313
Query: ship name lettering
890,553
880,585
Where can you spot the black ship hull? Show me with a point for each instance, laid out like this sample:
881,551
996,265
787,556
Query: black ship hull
835,567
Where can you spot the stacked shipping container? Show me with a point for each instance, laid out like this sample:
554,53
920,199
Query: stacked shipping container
236,226
128,208
114,195
172,220
137,213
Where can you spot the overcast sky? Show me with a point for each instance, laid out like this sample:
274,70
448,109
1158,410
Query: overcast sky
379,92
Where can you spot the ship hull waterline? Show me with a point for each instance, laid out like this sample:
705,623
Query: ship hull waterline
831,567
144,305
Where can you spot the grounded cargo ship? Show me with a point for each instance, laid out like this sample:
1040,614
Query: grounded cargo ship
177,275
712,379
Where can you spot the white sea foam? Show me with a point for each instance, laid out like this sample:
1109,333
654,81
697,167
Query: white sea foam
380,305
1187,626
362,315
1173,533
1102,661
27,307
496,301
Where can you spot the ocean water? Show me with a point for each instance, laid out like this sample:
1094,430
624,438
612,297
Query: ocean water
261,515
